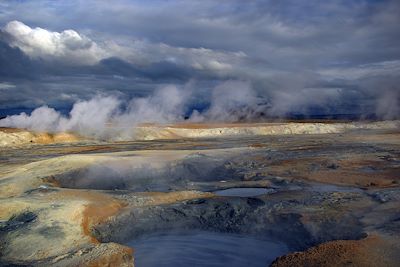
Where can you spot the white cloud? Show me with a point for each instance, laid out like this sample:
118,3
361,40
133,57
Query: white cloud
68,46
72,47
5,86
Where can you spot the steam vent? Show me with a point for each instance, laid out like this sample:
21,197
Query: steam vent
154,133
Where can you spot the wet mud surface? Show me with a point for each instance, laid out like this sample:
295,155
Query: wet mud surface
326,199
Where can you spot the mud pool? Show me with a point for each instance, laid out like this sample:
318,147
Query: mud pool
202,248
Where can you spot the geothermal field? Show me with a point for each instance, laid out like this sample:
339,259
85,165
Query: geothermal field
238,194
201,133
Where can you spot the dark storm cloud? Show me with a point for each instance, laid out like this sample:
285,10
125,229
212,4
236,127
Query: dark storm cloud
14,63
332,56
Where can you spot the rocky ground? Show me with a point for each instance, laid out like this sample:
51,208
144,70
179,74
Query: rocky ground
333,195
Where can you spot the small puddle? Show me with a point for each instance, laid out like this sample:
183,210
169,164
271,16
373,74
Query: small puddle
244,192
203,248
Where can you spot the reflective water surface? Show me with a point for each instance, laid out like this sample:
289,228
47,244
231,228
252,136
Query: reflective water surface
203,248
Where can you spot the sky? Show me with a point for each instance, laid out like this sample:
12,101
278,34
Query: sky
259,57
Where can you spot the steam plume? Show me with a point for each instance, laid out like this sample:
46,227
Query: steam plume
108,116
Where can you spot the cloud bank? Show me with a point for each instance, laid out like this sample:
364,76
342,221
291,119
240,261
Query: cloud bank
298,57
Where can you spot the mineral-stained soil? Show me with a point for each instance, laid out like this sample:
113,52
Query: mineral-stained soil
19,137
370,251
333,198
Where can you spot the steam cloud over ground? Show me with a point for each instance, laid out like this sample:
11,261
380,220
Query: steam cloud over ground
230,102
